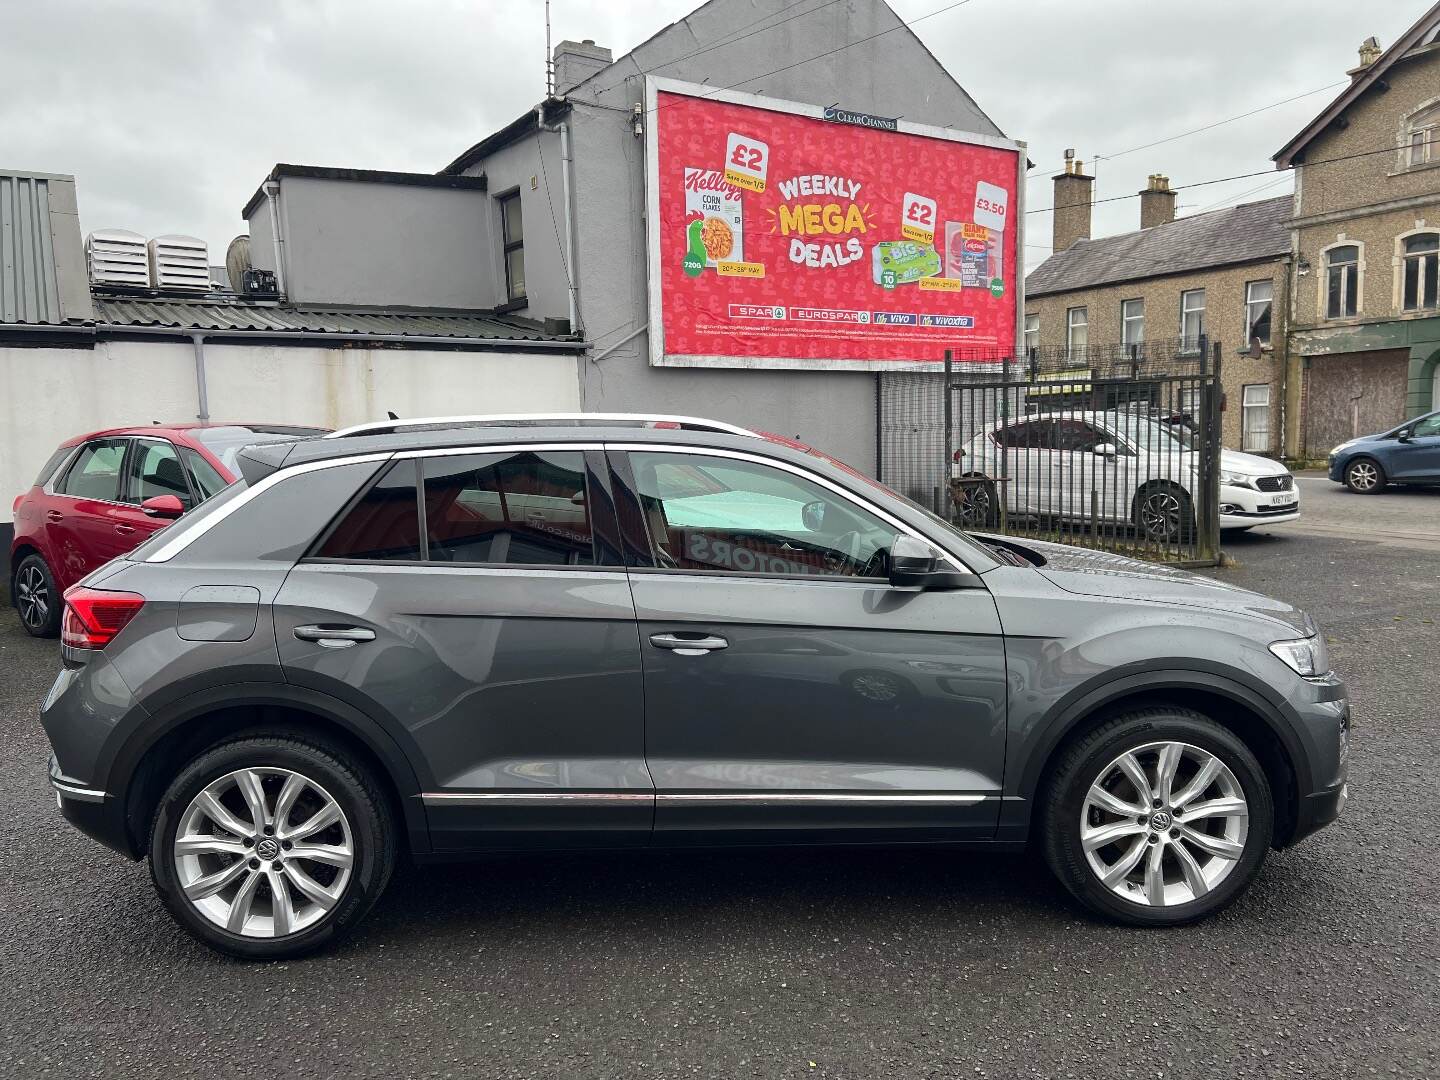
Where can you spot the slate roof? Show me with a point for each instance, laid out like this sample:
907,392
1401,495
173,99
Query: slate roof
262,318
1249,232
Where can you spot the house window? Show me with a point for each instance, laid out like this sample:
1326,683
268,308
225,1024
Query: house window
1192,318
1258,298
1422,269
1032,332
512,234
1342,281
1255,418
1132,322
1424,140
1077,328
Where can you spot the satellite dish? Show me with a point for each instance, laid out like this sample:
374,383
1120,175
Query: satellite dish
237,261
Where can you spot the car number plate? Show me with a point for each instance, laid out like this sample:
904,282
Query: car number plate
1281,498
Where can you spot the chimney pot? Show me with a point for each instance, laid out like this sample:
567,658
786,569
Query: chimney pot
1157,202
1073,194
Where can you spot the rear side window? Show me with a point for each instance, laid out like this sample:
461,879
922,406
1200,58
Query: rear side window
527,508
383,525
155,469
95,473
203,475
48,469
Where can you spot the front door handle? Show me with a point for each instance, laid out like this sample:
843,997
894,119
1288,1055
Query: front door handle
53,515
124,530
334,637
681,645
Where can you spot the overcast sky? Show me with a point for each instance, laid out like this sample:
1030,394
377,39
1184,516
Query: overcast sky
169,114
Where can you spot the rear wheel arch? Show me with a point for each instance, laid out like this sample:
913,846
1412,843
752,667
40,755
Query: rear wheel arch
1240,709
19,555
177,735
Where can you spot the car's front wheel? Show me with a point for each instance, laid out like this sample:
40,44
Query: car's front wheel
1158,817
271,846
1364,476
1163,512
976,503
36,598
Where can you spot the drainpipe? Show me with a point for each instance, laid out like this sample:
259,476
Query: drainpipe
272,193
202,391
565,179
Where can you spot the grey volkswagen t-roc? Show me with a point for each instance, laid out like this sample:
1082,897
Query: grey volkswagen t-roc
432,639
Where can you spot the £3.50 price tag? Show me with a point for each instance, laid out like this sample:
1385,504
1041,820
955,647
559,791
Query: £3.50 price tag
917,218
990,205
746,162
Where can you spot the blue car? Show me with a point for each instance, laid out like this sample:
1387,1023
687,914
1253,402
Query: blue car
1408,454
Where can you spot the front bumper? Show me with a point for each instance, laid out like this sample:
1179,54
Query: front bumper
1242,507
1326,723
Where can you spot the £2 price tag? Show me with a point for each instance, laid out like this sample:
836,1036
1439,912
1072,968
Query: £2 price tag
746,162
991,203
917,218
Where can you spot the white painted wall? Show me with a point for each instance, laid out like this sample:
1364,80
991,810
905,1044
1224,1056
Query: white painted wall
49,395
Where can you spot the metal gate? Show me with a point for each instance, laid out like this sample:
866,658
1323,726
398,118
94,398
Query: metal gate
1112,447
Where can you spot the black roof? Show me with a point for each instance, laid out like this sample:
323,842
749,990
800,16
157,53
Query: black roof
1246,233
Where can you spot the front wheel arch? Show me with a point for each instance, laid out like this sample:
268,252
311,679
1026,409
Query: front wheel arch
1245,712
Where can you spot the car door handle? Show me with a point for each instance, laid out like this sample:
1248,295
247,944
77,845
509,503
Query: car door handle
124,530
681,645
53,515
334,637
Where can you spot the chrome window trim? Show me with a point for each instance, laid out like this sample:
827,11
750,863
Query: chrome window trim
760,459
396,566
48,487
176,544
64,467
395,426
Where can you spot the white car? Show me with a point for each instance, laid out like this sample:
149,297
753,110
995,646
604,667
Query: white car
1117,468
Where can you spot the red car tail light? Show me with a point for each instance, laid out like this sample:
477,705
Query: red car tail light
93,618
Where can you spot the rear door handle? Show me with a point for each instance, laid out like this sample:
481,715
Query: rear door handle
124,530
53,515
334,637
697,645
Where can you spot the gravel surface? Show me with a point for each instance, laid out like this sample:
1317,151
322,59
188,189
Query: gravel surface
853,964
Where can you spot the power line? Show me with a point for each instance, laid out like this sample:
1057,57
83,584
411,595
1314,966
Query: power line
1218,180
1211,127
1235,199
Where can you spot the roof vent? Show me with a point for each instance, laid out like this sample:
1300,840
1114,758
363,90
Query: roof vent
180,262
117,257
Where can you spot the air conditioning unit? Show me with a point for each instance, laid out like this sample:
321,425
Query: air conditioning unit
117,257
180,262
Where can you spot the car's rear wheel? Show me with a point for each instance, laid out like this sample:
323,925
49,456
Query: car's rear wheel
1158,817
270,846
1364,476
36,598
976,504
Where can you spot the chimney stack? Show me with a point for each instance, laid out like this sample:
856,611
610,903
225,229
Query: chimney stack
1157,202
576,61
1369,52
1073,194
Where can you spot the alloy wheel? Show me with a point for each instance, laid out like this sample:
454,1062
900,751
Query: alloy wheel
264,852
1160,515
1164,824
32,596
1364,476
973,505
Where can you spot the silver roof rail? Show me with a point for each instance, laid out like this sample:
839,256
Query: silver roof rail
689,423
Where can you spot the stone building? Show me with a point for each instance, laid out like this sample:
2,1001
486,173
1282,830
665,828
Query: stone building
1365,307
1219,274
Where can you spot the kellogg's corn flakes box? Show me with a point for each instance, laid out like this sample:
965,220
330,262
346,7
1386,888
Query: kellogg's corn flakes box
714,220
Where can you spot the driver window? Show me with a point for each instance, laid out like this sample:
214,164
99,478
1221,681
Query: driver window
722,514
1423,428
1077,436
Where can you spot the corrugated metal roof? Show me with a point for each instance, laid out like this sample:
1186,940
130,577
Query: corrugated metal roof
1237,234
262,318
29,289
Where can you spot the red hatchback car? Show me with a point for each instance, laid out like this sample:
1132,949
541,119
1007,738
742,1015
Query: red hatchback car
101,494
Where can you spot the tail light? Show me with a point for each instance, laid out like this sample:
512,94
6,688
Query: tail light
15,506
93,617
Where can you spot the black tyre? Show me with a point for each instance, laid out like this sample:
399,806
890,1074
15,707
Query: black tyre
1159,817
37,600
268,847
1364,476
976,503
1163,512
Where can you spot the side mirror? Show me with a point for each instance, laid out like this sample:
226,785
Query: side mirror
812,516
914,565
163,506
1403,434
1106,449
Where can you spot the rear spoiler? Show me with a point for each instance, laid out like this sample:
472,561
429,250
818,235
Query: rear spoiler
259,461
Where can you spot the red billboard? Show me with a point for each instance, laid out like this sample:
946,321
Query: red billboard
781,238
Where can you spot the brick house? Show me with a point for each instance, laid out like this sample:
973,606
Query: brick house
1221,274
1365,233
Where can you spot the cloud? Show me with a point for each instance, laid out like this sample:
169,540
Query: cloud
170,114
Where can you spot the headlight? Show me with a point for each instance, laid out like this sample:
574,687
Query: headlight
1234,479
1306,657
